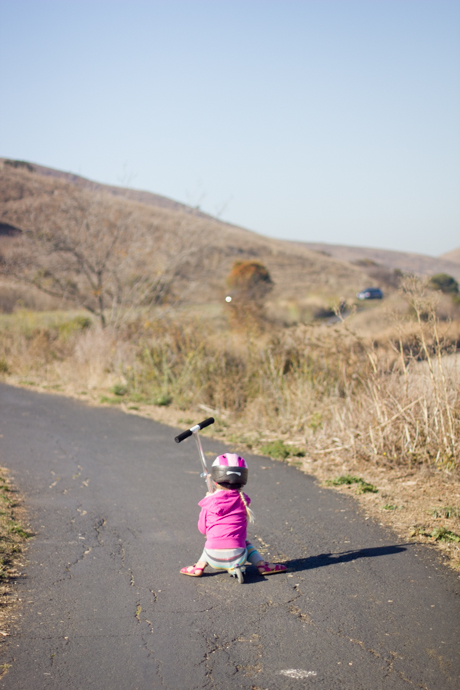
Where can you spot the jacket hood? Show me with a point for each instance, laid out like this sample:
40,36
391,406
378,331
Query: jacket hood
222,502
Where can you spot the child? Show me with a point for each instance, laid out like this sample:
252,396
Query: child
223,519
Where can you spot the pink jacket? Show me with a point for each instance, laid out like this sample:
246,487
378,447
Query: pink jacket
223,519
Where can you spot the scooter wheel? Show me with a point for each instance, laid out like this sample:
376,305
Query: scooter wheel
239,576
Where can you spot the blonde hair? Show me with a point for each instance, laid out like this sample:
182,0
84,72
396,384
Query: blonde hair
249,513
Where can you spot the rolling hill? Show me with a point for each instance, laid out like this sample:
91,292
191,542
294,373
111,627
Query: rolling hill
420,264
454,256
300,271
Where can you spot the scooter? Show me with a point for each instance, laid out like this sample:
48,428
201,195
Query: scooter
238,571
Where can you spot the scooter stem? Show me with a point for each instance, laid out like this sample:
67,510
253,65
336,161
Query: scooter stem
203,461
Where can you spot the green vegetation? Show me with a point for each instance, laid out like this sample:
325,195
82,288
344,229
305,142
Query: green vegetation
446,512
78,323
17,529
444,534
119,389
348,479
438,534
444,282
163,400
20,164
315,422
53,325
280,450
107,400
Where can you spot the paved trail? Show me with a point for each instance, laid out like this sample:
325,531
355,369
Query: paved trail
113,501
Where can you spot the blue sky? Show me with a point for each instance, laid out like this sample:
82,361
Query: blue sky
317,120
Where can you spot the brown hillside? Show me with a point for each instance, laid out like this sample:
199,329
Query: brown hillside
420,264
78,181
296,270
454,256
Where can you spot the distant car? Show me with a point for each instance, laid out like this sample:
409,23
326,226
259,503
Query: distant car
370,293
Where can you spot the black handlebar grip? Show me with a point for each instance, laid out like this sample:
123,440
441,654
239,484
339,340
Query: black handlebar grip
207,422
183,435
189,432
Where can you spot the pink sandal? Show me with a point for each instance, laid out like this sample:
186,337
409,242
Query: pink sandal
265,569
192,570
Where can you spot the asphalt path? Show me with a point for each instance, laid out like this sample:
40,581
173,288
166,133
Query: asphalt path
113,502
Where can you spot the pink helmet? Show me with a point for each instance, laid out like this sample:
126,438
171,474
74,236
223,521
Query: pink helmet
229,468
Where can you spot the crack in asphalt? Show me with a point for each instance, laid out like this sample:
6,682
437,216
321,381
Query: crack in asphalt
97,527
151,655
221,644
213,647
390,660
159,666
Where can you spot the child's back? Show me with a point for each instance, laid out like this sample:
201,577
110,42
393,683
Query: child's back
223,519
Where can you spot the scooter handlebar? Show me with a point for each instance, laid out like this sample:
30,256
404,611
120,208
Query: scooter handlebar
207,422
198,427
183,435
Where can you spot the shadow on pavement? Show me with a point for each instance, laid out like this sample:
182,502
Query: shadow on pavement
299,564
324,559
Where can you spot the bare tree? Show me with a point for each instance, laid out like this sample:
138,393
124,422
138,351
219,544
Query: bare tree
94,252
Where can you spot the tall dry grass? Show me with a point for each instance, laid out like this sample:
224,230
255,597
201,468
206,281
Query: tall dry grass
392,402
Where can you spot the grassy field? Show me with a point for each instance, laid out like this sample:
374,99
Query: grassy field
374,410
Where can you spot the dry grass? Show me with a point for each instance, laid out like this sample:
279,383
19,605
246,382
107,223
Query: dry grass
386,409
13,537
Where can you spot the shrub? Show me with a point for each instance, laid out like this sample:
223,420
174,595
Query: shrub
110,401
444,282
444,534
163,400
250,279
348,479
323,313
20,164
249,283
119,389
280,451
79,323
